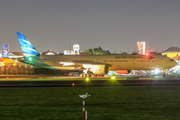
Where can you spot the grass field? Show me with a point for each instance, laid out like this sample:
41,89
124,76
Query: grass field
105,103
59,79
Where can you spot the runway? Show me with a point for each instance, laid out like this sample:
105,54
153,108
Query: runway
51,82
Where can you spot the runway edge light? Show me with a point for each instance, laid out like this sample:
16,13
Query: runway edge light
113,77
87,79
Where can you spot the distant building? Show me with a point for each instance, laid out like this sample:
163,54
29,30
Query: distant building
68,52
7,62
84,53
15,55
177,59
75,51
49,52
5,50
141,48
172,52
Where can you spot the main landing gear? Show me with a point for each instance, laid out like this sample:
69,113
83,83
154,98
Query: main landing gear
89,75
85,75
98,76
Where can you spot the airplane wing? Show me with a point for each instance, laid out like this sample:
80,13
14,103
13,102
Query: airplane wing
95,67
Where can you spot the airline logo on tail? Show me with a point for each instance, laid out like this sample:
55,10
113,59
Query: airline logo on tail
26,46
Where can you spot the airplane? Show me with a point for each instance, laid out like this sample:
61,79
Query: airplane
99,65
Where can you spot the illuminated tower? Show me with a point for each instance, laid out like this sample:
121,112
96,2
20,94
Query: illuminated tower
141,48
76,49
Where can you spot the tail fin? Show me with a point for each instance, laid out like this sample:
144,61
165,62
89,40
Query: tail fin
26,46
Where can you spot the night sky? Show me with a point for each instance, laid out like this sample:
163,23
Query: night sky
115,25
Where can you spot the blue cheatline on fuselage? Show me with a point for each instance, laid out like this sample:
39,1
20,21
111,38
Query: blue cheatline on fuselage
26,46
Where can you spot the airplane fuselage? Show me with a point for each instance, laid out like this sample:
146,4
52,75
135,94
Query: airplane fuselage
98,64
115,62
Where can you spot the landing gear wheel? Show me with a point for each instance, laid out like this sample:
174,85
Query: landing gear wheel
101,76
88,75
95,75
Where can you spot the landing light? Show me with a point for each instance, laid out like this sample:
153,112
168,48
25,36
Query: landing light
156,70
87,79
113,77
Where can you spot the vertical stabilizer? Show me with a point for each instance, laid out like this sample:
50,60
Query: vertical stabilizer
26,46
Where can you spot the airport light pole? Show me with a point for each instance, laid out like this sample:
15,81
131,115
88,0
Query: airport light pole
84,117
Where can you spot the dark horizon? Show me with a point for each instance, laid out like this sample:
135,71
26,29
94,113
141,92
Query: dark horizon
113,25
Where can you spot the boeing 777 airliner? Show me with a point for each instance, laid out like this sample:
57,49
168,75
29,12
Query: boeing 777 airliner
98,64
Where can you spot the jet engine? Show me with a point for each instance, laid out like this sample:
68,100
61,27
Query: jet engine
99,69
123,71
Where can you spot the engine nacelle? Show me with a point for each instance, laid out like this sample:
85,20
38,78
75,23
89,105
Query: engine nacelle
123,71
99,69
